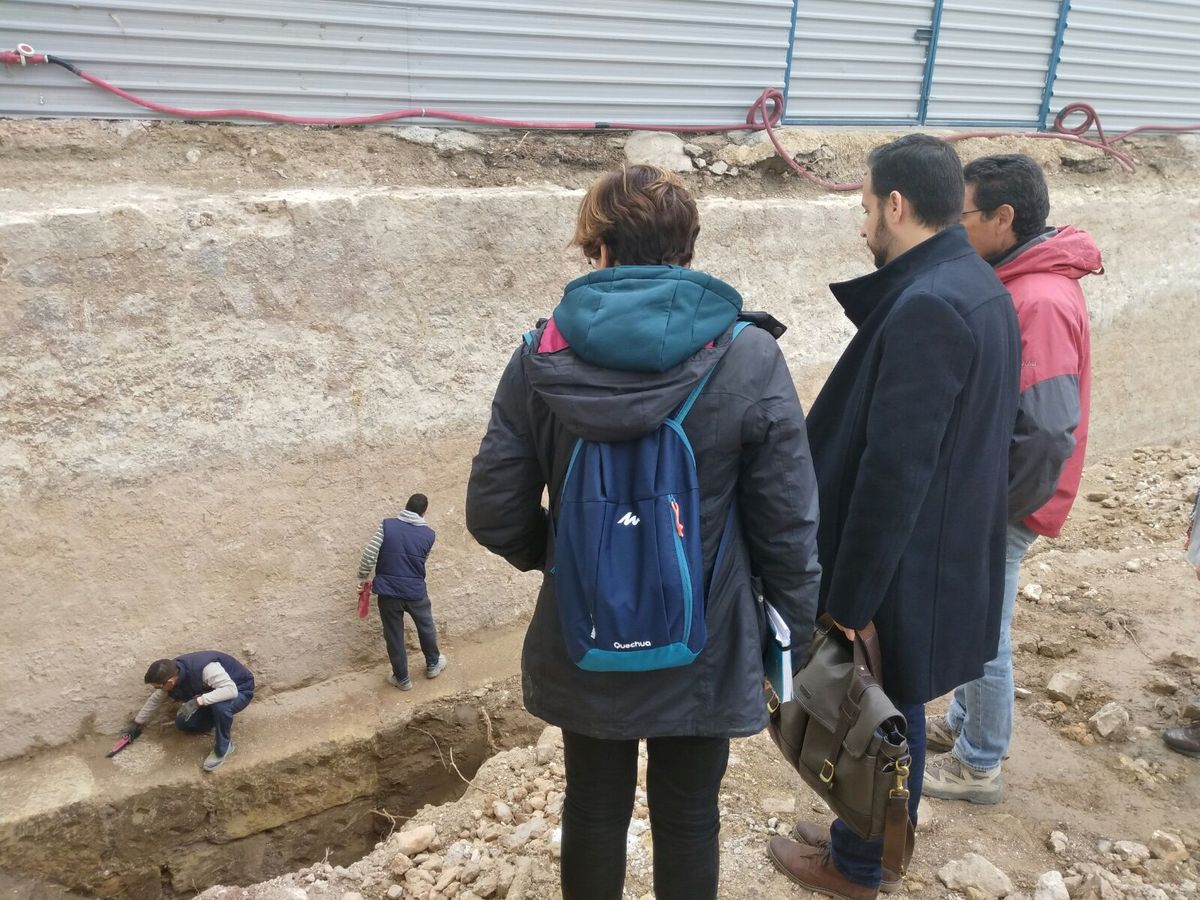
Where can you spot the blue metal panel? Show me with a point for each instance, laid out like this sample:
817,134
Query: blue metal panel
787,74
930,59
1052,69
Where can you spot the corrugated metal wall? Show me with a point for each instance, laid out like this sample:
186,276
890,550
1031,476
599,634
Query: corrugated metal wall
991,61
1135,61
956,62
858,60
702,61
869,62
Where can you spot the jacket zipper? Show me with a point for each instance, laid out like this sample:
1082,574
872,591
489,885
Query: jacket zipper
684,573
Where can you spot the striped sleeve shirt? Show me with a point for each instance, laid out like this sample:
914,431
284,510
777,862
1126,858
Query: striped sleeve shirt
370,555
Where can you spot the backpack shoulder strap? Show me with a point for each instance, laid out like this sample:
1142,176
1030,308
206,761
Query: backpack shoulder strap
686,408
531,336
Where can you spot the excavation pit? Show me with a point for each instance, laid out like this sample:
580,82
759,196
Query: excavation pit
331,797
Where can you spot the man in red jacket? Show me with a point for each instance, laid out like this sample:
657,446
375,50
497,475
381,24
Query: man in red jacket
1005,216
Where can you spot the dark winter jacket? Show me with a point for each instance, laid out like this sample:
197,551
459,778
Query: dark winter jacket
637,345
1046,457
400,568
910,440
191,670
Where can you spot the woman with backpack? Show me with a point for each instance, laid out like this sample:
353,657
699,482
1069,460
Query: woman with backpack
673,445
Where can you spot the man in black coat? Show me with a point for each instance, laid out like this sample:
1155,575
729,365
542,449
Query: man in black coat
910,442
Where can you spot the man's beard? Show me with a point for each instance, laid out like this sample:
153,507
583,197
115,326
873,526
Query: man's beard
882,238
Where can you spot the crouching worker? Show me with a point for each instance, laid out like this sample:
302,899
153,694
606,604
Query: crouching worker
212,686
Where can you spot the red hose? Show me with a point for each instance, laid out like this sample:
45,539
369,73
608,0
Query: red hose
765,113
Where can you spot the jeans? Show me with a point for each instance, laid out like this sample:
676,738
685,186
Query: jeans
391,613
219,717
981,713
683,777
859,860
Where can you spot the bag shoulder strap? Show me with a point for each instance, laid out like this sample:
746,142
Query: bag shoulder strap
682,412
899,838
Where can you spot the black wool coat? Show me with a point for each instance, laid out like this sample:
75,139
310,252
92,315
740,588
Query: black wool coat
909,441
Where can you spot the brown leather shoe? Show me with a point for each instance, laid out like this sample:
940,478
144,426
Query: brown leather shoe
813,869
1184,739
815,835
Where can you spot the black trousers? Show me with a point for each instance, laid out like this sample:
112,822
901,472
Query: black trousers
391,612
683,778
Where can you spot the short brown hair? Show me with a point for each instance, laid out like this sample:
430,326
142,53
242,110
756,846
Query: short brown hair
643,214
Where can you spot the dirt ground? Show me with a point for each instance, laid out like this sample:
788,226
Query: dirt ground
226,157
1117,605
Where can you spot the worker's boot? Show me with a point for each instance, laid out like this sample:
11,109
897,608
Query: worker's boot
213,761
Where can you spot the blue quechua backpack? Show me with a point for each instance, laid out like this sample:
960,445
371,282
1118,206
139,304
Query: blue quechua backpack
628,560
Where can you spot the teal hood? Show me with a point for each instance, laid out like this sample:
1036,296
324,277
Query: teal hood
644,318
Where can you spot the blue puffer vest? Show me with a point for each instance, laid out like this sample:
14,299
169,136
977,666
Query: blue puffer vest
191,674
400,569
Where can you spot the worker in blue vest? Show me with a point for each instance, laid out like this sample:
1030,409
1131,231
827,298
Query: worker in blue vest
211,685
397,553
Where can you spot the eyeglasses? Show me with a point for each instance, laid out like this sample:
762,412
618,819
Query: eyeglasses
967,212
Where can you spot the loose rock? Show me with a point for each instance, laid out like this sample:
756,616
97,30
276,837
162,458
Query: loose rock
1111,722
416,134
973,872
448,143
548,744
1051,887
502,811
1065,686
415,840
1032,591
1164,845
400,865
1163,684
1057,842
1132,852
657,148
1055,648
1183,660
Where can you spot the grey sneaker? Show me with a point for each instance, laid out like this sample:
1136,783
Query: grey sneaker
938,736
405,685
946,778
213,762
438,667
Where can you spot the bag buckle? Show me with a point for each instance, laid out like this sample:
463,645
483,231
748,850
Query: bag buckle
826,772
773,702
900,790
